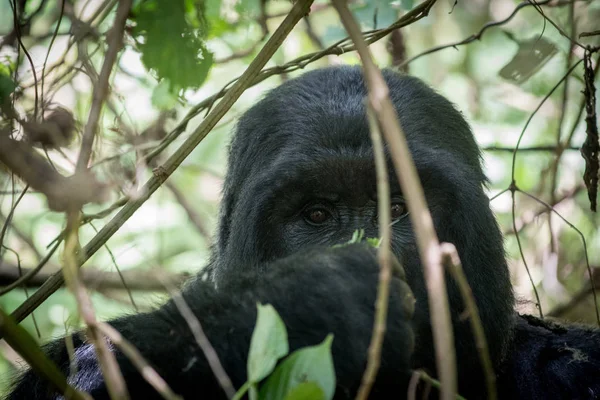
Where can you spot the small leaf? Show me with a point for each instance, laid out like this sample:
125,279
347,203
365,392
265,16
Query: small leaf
309,364
7,85
268,344
374,242
306,391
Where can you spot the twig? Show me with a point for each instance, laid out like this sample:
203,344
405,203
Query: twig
142,280
453,264
209,351
115,383
31,273
53,38
136,358
551,148
383,289
22,342
422,222
100,91
423,376
583,241
561,309
107,361
478,35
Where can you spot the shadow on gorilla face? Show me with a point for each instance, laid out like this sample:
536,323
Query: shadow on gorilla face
301,173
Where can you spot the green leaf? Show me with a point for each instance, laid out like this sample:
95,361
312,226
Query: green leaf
268,344
7,86
357,236
310,364
171,36
163,97
374,242
306,391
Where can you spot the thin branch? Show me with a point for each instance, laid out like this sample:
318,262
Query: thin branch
513,189
583,241
533,149
136,358
476,36
453,264
31,273
22,342
111,372
428,244
420,375
95,279
209,351
385,273
115,383
100,91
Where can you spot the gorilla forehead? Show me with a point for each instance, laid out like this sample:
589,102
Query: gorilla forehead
324,110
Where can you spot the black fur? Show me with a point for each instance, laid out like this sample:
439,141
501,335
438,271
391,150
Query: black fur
308,297
307,144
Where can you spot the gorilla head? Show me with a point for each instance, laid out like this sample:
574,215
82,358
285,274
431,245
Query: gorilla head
301,173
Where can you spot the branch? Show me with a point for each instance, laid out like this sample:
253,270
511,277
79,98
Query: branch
22,342
136,358
100,91
137,279
115,383
385,273
428,243
453,264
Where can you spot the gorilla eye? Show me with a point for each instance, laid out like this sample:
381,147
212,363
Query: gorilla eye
397,210
316,215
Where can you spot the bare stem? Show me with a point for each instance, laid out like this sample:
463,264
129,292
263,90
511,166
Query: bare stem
385,273
428,243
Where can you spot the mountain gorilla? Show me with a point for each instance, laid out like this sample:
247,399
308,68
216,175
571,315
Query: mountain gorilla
301,178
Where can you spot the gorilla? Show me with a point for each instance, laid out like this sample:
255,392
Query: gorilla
300,180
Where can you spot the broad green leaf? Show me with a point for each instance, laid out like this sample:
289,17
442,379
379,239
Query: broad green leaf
268,344
309,364
171,36
306,391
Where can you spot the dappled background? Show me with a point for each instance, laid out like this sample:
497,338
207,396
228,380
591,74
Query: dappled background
498,61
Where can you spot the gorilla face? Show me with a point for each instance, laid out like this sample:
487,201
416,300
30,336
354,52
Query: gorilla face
301,173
